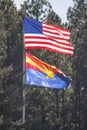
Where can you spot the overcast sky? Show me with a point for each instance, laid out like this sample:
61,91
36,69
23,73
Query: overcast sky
59,6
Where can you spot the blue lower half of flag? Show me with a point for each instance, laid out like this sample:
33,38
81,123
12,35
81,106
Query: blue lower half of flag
37,78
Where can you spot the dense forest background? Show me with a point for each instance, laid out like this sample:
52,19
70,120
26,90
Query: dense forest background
46,109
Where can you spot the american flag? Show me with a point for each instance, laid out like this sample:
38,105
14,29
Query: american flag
40,35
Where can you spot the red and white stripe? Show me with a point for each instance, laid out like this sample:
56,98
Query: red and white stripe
54,38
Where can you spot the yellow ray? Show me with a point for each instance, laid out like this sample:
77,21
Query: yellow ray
50,73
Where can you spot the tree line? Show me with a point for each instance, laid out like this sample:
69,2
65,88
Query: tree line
46,109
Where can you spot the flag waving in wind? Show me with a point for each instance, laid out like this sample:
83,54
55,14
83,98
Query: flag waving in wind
41,74
39,35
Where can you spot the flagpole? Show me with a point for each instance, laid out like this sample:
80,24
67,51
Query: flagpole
24,70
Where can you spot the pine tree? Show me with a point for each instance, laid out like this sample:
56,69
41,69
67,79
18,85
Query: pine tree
10,65
78,23
37,9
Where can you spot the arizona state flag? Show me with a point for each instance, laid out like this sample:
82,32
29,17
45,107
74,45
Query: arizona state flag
41,74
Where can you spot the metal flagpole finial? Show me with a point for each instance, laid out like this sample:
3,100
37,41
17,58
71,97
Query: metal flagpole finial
23,13
0,1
